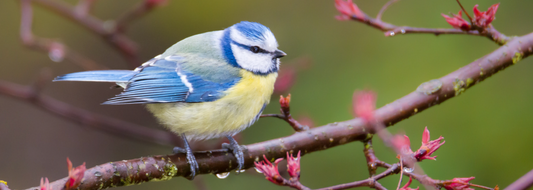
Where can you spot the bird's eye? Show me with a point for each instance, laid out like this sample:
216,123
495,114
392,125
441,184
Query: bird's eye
255,49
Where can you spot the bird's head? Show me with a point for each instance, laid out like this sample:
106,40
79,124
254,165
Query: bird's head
251,46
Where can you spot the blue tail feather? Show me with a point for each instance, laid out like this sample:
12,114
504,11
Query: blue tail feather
99,76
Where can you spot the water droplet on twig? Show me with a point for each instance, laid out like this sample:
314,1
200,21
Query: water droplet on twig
222,175
408,170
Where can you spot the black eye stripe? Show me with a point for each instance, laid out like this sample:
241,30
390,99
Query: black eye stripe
257,49
249,48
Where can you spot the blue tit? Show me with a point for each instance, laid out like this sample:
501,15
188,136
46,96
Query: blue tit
205,86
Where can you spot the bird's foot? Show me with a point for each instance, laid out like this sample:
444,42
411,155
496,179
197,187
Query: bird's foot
237,151
190,159
178,150
190,156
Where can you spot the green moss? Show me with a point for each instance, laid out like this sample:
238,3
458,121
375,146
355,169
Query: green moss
517,57
127,181
458,86
169,171
368,136
469,81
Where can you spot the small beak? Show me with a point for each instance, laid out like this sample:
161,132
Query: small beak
279,54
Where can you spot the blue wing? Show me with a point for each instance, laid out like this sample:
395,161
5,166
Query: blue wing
164,81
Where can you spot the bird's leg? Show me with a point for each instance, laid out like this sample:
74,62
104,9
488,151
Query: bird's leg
190,156
237,151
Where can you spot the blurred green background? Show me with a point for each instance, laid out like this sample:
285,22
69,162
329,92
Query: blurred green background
487,130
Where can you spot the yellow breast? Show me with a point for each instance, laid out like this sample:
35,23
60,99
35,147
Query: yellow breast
229,115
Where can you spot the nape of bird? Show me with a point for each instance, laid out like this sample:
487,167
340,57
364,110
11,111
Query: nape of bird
206,86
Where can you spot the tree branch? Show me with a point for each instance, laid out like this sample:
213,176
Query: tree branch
55,49
3,185
392,30
315,139
285,110
87,118
139,10
126,47
384,8
370,182
524,182
372,161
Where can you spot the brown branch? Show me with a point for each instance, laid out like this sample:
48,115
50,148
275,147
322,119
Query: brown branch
56,50
139,10
392,30
372,161
407,160
295,184
370,182
466,13
385,8
339,133
401,174
479,186
87,118
426,180
458,81
286,114
126,47
3,185
524,182
84,7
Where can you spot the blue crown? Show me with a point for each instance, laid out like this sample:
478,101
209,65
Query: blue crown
252,30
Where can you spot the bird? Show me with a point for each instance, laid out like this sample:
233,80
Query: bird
209,85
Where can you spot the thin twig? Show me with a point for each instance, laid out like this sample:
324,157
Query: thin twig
401,174
372,161
378,186
393,30
479,186
56,50
524,182
87,118
370,182
385,8
409,160
3,186
122,43
142,8
466,13
286,114
84,7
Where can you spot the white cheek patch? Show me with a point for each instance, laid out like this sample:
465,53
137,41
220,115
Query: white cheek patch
255,62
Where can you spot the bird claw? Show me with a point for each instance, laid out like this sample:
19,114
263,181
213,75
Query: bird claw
190,159
194,165
190,156
237,152
178,150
